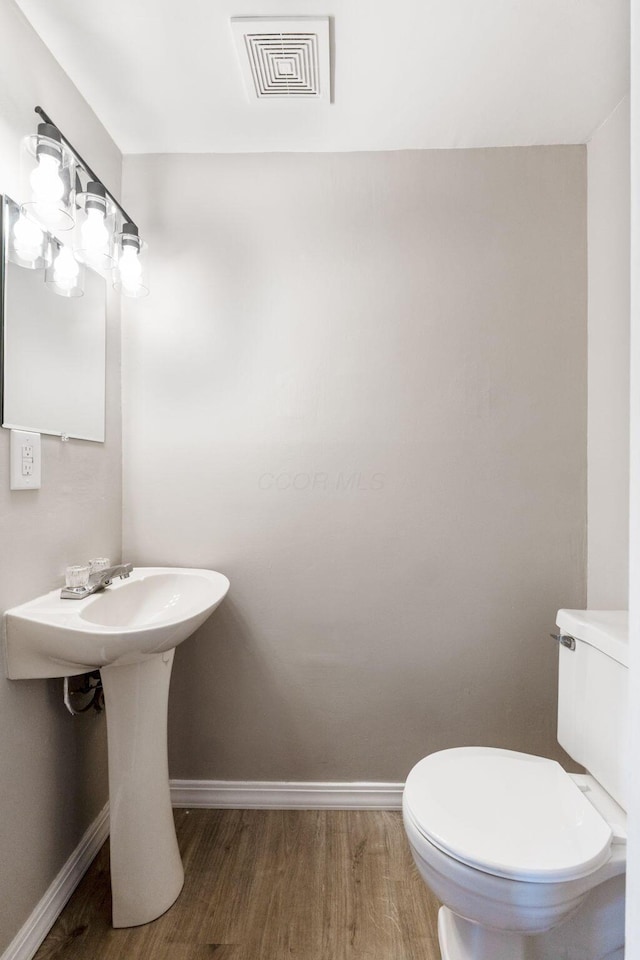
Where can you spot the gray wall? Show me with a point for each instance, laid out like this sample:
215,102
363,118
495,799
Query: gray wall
52,766
359,389
608,208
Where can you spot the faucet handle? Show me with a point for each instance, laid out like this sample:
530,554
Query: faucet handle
76,577
98,564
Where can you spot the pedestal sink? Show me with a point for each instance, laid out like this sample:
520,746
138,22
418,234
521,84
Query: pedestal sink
129,632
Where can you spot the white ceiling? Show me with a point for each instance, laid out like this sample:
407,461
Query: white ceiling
163,76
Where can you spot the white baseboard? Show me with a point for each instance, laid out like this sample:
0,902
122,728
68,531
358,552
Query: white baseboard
26,942
284,795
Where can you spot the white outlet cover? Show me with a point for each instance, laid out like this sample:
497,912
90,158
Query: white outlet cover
19,480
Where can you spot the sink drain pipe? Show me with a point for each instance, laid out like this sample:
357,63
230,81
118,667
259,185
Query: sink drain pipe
90,686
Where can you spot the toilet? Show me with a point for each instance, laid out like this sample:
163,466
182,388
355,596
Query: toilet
529,861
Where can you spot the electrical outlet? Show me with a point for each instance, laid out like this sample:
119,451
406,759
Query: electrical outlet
25,460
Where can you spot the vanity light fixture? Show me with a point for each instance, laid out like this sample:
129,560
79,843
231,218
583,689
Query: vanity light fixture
50,168
95,226
65,274
65,194
28,239
27,244
129,277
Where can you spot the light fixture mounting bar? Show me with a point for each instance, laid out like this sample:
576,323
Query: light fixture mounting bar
83,163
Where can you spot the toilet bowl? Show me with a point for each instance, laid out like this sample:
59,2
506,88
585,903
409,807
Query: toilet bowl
513,846
529,861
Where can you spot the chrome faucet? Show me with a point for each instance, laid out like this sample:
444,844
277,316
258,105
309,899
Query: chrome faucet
97,581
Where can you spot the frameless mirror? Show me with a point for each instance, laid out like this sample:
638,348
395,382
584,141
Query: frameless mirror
53,347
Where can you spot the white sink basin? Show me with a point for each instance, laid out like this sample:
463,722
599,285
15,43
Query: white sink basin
128,632
151,612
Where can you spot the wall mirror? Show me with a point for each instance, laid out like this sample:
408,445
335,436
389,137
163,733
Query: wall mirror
53,346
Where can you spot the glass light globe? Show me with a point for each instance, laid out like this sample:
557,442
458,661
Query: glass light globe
65,270
130,268
94,233
45,180
27,238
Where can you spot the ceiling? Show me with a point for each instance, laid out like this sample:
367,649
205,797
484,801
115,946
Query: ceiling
163,76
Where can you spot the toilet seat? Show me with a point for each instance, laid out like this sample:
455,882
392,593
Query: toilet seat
508,814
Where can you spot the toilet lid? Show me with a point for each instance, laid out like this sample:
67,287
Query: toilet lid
508,814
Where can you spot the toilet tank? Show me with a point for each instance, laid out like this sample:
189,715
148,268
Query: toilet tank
592,694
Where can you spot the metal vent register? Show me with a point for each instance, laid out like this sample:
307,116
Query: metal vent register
283,58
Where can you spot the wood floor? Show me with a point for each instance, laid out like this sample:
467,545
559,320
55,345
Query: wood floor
268,885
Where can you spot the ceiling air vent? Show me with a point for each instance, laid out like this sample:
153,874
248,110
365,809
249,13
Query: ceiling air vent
283,58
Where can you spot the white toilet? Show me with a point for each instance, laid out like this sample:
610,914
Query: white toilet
529,861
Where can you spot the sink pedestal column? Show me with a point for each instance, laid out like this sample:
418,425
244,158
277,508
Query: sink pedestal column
146,869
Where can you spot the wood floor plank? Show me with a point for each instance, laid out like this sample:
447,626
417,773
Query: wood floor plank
268,885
